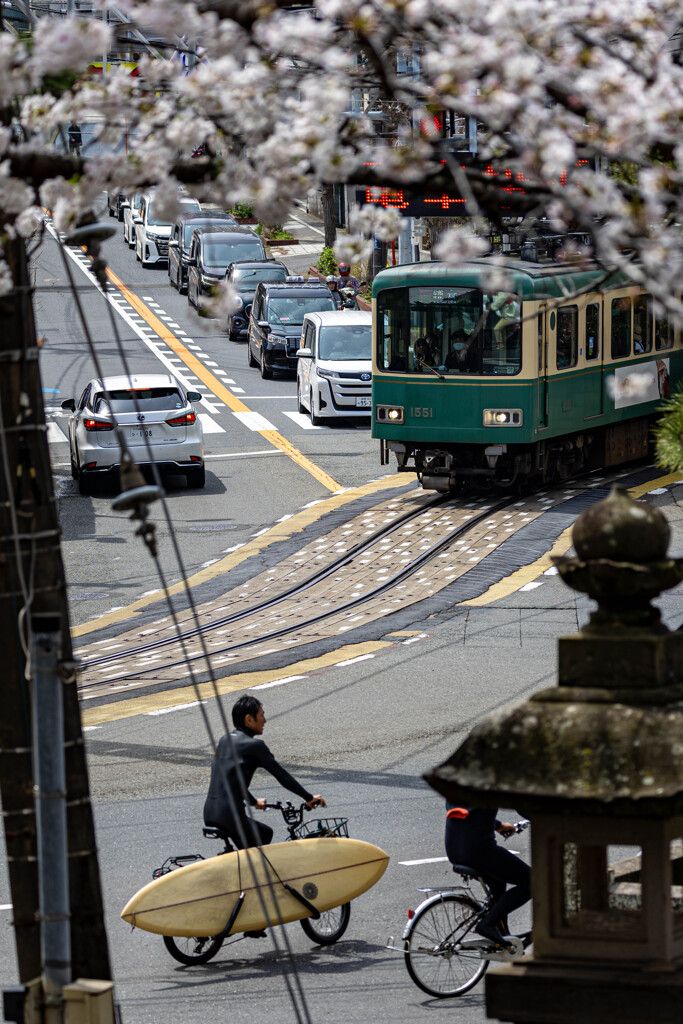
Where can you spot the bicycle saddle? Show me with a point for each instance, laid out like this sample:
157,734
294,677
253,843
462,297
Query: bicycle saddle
463,869
212,832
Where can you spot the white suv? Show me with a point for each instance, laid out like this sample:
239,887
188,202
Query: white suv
152,234
334,365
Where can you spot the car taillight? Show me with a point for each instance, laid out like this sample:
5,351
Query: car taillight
181,421
97,425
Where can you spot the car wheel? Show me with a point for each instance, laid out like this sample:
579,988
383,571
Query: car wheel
84,483
189,292
315,420
119,213
250,358
196,477
74,467
137,254
299,404
131,241
266,371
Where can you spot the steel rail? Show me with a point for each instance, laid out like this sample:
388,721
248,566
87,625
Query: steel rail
347,606
297,588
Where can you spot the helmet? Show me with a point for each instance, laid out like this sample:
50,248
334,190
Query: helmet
330,278
344,268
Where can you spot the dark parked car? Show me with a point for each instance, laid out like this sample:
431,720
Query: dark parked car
277,314
114,200
245,277
211,252
181,236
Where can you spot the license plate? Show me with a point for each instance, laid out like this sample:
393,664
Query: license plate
364,403
138,433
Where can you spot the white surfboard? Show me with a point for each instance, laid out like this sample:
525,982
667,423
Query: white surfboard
199,899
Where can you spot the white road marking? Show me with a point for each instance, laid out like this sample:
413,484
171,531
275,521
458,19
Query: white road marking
211,406
301,420
176,707
5,906
414,639
209,424
253,420
277,682
241,455
354,661
55,434
531,586
237,391
426,860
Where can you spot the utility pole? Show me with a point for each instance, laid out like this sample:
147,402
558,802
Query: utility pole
32,584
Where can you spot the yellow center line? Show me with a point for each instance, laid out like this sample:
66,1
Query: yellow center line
527,573
274,437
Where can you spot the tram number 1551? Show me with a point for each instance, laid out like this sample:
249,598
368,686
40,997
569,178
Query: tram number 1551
421,412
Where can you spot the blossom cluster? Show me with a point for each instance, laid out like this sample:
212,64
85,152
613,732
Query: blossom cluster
578,106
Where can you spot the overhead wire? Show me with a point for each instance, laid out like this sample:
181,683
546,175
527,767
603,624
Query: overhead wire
301,1011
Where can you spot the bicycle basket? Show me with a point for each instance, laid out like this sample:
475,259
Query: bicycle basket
322,827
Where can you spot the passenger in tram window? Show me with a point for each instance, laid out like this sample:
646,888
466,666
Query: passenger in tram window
461,356
507,307
426,351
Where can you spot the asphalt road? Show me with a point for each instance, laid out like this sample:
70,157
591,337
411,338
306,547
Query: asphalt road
362,733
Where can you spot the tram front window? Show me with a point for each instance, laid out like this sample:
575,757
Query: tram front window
450,330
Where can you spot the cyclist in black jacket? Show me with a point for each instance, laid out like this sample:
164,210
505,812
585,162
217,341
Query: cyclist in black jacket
470,840
247,750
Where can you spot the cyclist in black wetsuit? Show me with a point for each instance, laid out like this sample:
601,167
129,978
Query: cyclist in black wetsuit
249,752
470,840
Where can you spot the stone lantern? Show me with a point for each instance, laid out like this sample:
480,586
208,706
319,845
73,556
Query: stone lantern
596,763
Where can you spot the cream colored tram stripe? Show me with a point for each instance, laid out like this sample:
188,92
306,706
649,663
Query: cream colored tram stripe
219,390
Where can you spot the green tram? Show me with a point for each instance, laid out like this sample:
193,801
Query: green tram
560,373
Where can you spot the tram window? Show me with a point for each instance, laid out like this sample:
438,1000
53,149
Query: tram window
642,324
448,329
621,327
567,336
541,339
592,330
664,335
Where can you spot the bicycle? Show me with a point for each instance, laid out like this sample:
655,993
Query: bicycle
440,957
323,927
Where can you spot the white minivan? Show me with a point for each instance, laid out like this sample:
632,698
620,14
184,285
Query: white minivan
152,233
334,365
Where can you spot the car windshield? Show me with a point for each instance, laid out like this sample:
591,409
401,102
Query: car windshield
191,225
293,309
343,343
154,221
449,329
251,276
219,254
150,399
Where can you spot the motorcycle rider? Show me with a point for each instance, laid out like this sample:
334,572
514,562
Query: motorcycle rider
346,279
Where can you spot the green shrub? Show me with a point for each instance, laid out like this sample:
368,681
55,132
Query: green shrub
242,210
327,264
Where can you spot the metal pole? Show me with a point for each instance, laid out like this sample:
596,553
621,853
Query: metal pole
50,798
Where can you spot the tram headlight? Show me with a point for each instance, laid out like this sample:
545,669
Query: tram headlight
503,418
389,414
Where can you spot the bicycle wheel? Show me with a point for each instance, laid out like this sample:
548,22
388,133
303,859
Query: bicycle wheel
194,950
329,927
434,961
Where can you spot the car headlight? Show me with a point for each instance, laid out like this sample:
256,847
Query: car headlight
154,235
278,340
503,418
327,373
239,303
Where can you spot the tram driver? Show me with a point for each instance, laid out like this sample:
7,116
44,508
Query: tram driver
462,355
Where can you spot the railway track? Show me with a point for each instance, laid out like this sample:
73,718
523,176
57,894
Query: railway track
410,548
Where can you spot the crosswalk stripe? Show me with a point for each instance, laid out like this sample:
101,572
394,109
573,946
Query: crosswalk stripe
254,420
301,420
55,434
209,424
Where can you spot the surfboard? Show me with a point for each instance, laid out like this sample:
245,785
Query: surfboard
198,899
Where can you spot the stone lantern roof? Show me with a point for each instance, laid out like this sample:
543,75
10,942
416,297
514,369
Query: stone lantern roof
609,737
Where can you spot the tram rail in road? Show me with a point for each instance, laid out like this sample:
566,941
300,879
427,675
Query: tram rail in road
414,547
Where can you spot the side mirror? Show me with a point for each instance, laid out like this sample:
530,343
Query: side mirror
304,353
263,323
194,396
137,220
173,243
125,205
191,261
69,404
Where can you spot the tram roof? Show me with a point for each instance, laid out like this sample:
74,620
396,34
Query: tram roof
541,280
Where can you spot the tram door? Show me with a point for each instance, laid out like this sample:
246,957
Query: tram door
542,386
593,335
